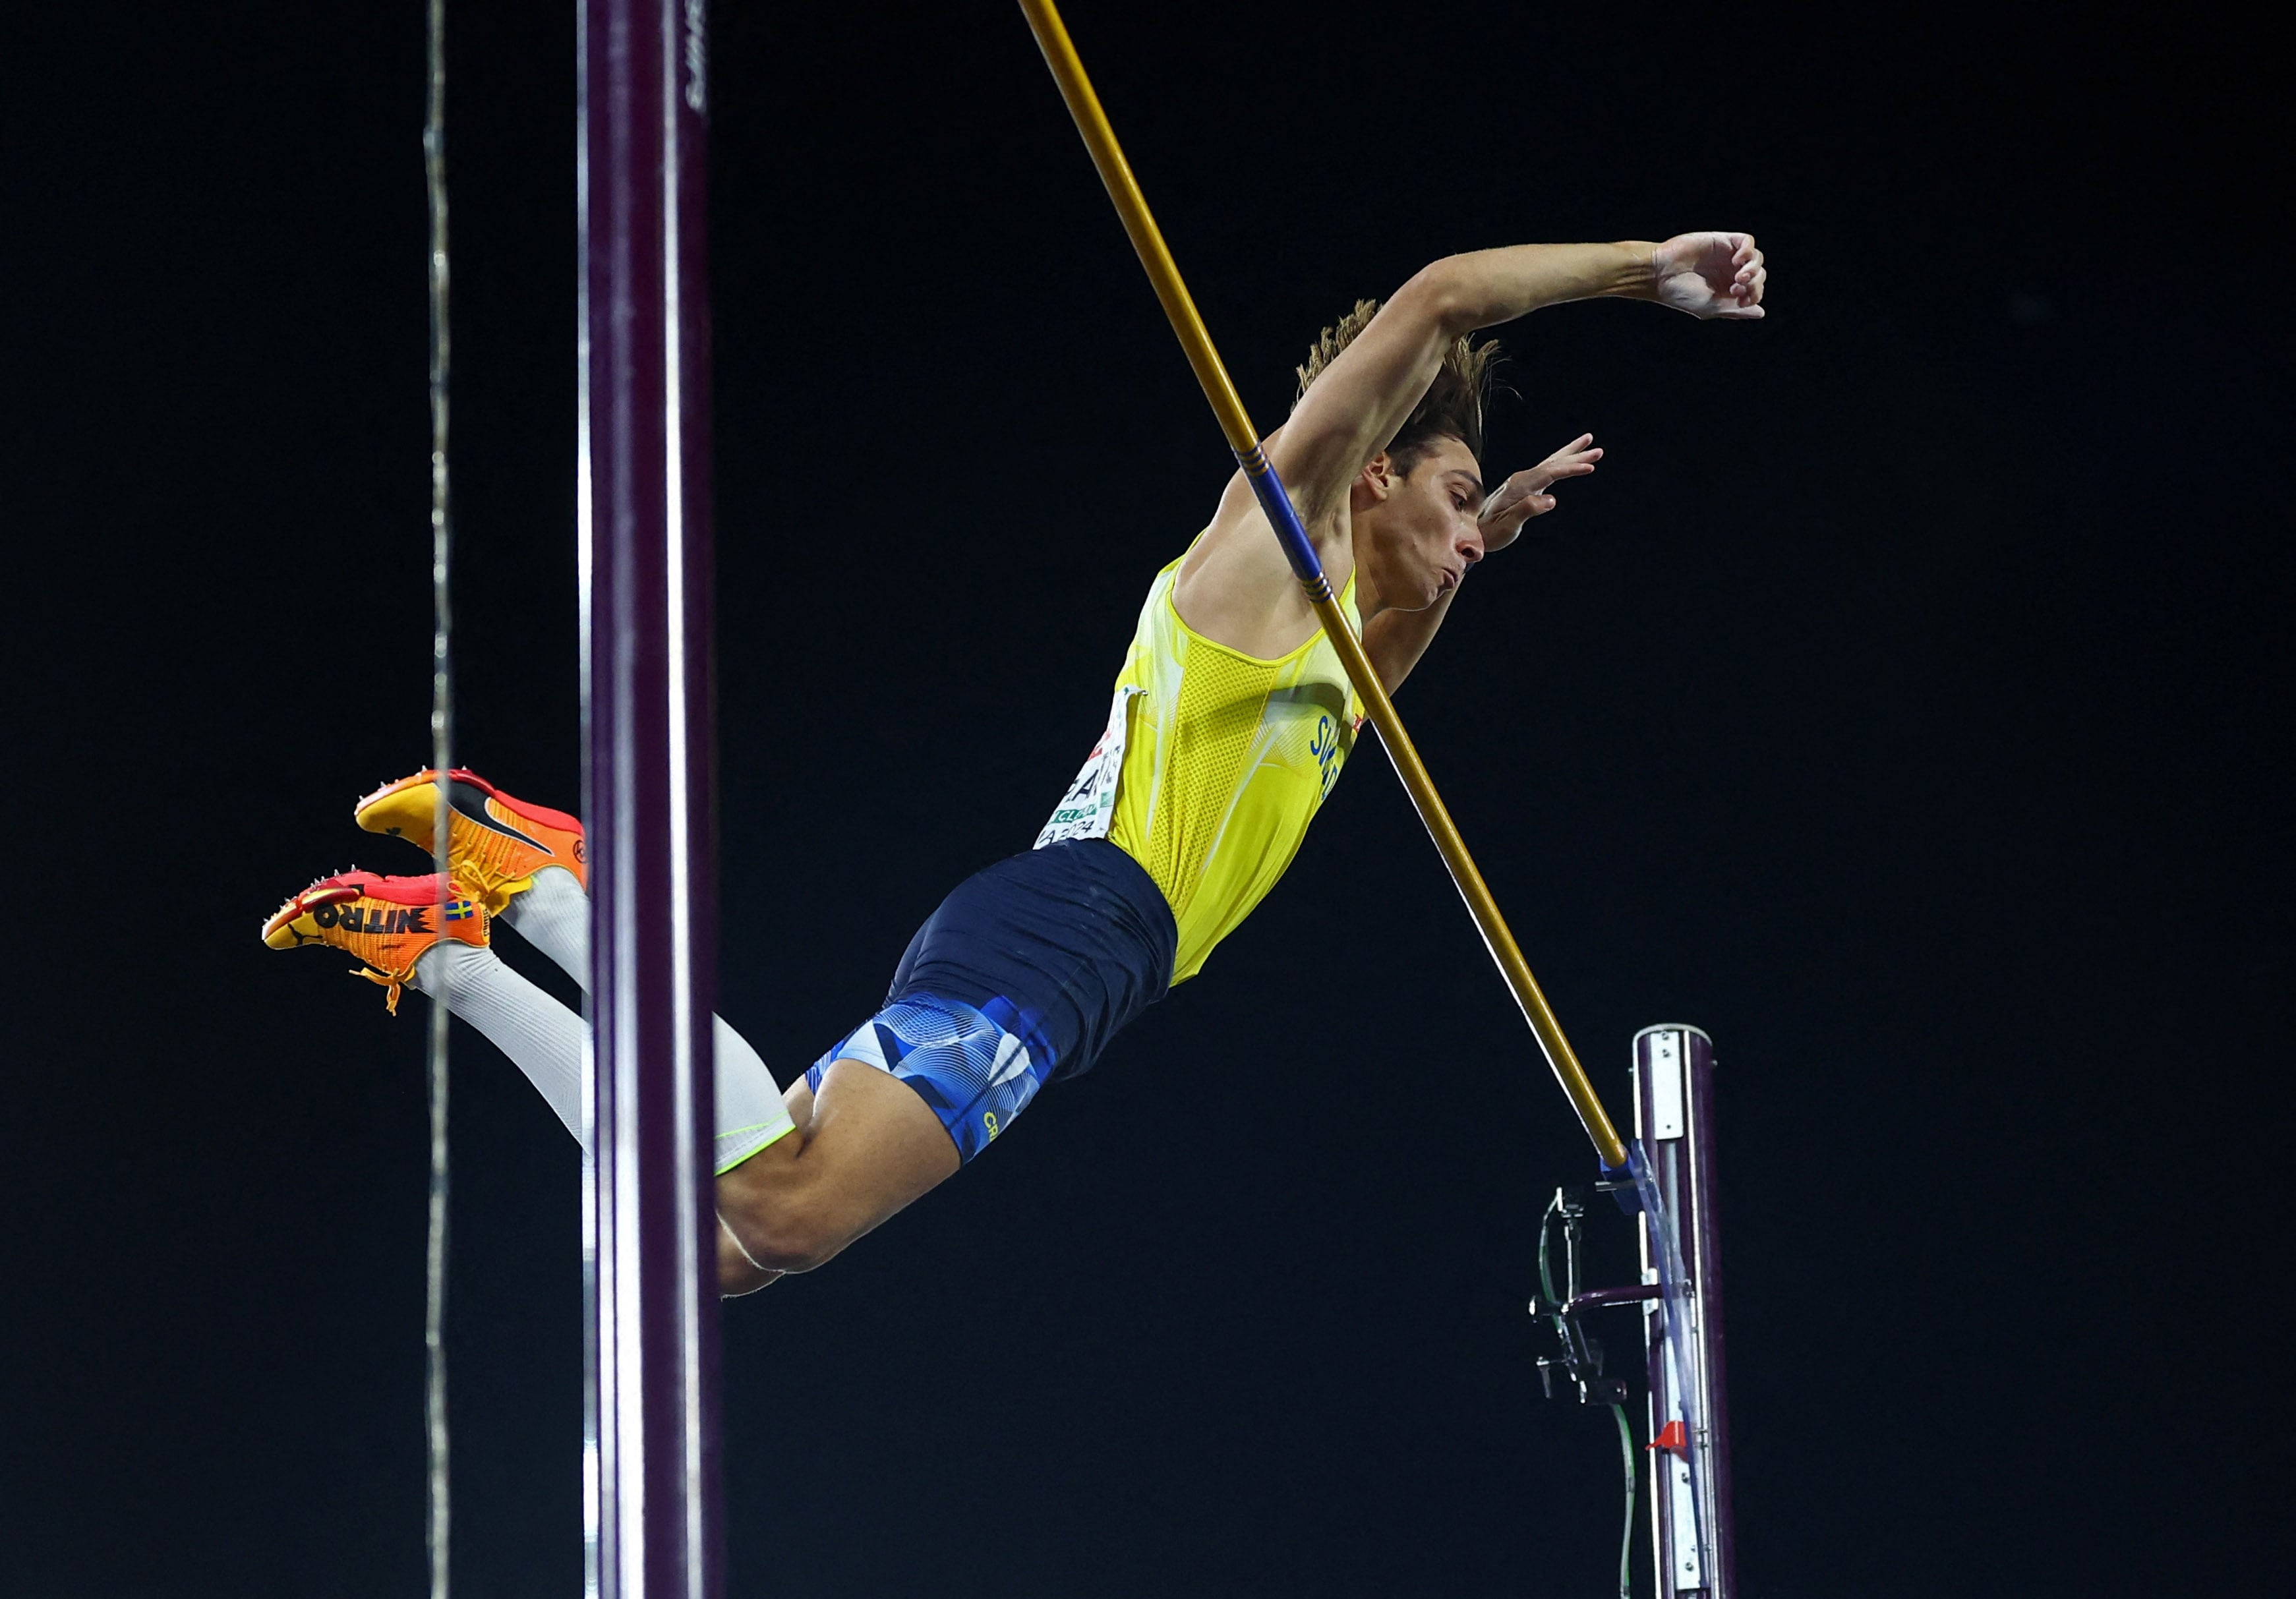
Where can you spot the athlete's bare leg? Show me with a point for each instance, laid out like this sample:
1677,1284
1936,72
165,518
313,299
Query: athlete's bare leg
864,1147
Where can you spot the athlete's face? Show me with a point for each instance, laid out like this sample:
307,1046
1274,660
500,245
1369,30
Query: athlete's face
1415,533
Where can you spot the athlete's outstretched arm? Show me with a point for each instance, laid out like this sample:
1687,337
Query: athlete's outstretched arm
1356,407
1395,640
1235,586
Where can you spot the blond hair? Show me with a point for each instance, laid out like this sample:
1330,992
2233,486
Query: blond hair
1451,408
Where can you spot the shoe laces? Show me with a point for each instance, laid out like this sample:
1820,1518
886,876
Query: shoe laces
392,986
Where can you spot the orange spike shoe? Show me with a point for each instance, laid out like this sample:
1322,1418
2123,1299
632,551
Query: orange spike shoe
496,844
387,923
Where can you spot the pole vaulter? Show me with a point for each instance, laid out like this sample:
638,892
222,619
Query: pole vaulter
1183,816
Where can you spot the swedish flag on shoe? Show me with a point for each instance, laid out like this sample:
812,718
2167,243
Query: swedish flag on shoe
387,923
496,844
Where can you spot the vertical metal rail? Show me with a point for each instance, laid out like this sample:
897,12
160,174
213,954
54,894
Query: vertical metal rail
436,1501
1691,1542
644,505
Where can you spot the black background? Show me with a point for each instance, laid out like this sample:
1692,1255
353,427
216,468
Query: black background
1904,702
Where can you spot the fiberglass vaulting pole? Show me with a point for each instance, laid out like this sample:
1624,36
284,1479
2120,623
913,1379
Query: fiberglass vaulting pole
651,1459
1180,309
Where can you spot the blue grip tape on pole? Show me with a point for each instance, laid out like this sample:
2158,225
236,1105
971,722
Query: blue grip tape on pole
1268,489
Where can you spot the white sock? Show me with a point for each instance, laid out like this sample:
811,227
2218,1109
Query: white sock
542,1037
553,915
751,1111
545,1040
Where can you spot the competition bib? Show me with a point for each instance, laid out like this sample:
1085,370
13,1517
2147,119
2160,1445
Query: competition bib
1084,812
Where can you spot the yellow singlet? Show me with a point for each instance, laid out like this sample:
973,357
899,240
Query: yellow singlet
1227,759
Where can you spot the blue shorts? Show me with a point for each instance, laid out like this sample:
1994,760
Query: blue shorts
1019,979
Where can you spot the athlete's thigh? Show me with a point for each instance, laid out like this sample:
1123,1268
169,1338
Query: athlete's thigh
865,1146
872,1147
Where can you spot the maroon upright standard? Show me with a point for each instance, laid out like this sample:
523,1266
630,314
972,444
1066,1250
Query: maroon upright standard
652,1458
1693,1537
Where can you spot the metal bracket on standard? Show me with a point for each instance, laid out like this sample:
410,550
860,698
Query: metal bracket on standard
1580,1361
1670,1187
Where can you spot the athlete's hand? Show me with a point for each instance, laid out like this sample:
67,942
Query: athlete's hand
1710,274
1526,494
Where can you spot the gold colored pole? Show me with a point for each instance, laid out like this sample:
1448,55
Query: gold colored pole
1115,173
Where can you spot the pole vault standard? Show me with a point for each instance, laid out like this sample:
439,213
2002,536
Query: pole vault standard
651,1456
1691,1529
1692,1533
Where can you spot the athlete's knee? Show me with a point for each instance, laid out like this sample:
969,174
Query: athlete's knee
777,1216
737,1273
792,1240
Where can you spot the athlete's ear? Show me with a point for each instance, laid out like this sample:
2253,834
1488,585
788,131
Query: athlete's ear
1376,482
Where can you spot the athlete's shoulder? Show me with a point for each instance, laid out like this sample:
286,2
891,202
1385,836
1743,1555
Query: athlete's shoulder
1234,586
